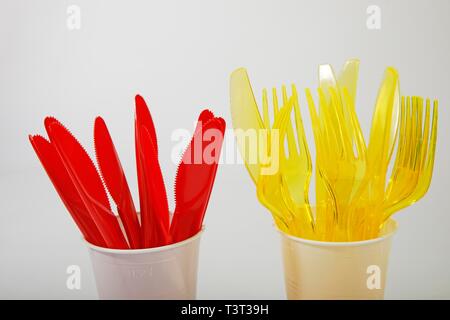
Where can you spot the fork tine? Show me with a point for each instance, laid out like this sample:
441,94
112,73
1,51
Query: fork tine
292,146
301,137
401,149
432,146
425,135
327,129
315,122
356,127
420,114
402,141
406,152
419,134
337,111
265,104
424,182
413,136
281,124
298,118
284,94
275,103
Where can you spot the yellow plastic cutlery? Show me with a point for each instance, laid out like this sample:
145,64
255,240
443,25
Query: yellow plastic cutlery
268,187
295,165
246,121
413,168
354,195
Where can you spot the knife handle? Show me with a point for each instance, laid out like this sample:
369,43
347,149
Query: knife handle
128,216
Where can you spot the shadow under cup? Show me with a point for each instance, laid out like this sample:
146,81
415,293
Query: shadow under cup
168,272
336,270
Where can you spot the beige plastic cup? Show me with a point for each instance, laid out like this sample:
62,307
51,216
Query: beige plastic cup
336,270
168,272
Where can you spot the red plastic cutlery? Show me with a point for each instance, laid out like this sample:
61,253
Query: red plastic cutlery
82,190
154,209
143,117
85,177
115,180
57,173
152,193
195,177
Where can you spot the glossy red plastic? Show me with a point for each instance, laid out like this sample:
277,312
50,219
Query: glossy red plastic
143,117
154,205
87,181
195,177
116,182
60,178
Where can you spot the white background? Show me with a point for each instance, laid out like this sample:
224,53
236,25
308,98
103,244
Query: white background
179,55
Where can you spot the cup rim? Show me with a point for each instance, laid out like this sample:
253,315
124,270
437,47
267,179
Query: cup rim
342,243
146,250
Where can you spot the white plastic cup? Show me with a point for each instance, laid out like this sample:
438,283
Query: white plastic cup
168,272
336,270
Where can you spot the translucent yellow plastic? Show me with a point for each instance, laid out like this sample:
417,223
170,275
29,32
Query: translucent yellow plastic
269,190
246,119
413,168
295,170
383,133
354,194
343,141
285,193
365,214
295,164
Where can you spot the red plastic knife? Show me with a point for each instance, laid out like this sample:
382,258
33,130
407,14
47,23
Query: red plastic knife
154,205
116,182
153,230
143,117
57,173
195,177
85,177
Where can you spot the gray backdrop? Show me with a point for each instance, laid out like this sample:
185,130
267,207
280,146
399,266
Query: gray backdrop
179,55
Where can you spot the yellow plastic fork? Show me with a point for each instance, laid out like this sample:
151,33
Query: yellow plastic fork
413,167
340,132
268,186
337,133
335,140
405,171
326,219
383,136
296,167
347,173
253,141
